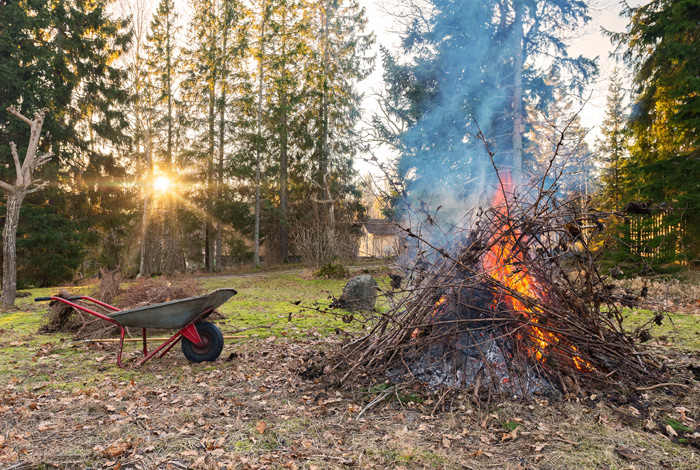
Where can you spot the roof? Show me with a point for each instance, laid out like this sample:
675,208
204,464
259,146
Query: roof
381,227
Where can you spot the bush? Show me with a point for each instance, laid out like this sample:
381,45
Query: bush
332,271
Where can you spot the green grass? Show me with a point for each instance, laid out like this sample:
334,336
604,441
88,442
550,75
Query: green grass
37,360
679,329
269,301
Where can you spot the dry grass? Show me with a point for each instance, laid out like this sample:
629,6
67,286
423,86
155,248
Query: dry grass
666,294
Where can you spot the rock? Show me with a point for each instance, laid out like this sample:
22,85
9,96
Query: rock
360,293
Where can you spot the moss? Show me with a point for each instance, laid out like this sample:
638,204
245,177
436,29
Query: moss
678,426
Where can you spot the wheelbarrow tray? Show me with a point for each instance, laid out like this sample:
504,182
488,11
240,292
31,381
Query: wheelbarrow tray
175,314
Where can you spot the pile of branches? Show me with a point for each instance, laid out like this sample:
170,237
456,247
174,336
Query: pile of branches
144,291
519,289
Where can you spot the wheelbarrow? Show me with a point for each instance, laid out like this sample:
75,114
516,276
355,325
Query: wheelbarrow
201,341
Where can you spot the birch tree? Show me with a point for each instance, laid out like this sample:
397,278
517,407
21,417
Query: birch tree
24,184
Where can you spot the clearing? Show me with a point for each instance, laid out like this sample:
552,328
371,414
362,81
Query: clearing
65,404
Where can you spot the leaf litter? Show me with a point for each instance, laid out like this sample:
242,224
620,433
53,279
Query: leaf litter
258,412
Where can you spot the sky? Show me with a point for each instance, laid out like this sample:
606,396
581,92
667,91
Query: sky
589,42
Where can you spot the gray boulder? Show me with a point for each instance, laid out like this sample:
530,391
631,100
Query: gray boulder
360,293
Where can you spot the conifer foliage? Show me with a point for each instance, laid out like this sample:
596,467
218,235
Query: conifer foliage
468,67
159,116
661,47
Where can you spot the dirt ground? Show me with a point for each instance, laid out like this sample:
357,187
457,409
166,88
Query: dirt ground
252,410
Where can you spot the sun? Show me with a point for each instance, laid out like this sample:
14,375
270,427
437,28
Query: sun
162,183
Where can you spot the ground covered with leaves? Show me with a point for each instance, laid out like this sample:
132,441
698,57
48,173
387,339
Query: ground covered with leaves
264,403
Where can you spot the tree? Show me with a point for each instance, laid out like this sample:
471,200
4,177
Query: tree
611,147
260,57
471,67
287,136
660,46
63,56
164,66
338,60
25,184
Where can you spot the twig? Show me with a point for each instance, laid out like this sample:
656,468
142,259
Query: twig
667,384
377,400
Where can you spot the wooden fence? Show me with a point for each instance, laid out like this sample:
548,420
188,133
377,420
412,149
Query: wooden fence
653,237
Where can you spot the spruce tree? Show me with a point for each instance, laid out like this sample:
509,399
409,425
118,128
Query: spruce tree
470,67
63,56
338,60
288,48
660,47
611,146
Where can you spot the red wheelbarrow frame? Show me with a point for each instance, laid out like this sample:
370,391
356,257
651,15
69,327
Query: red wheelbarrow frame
189,331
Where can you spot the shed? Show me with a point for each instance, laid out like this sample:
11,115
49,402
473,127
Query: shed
380,238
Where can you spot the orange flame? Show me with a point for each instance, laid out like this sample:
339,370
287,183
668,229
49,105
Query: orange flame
505,262
435,313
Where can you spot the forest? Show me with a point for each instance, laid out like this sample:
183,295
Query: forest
187,138
532,275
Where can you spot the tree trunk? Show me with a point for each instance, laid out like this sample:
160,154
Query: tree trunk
9,248
325,153
209,261
284,227
171,239
15,196
218,244
143,269
518,125
256,242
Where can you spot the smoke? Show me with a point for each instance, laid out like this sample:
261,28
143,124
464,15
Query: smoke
466,64
458,86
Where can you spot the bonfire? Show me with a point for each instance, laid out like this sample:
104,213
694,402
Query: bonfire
515,305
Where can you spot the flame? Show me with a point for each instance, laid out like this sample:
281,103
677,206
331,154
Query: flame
436,311
505,262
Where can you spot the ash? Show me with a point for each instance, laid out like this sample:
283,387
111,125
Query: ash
470,347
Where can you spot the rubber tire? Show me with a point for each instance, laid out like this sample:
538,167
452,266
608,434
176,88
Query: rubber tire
213,339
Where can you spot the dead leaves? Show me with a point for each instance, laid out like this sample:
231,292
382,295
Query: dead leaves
627,453
113,450
260,426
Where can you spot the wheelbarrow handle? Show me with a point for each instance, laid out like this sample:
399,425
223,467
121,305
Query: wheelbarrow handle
46,299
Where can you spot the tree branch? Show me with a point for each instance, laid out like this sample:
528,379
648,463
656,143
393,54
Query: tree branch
38,188
43,160
12,110
6,187
15,157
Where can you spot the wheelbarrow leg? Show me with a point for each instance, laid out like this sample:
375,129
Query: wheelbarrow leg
145,348
121,346
189,332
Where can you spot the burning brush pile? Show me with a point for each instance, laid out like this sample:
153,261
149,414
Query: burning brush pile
516,306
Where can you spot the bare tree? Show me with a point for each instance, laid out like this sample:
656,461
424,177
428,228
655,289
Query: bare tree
25,184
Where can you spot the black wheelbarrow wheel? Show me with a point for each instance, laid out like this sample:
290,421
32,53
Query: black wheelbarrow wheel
211,346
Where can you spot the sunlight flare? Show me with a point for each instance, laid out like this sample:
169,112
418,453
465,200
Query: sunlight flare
162,183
